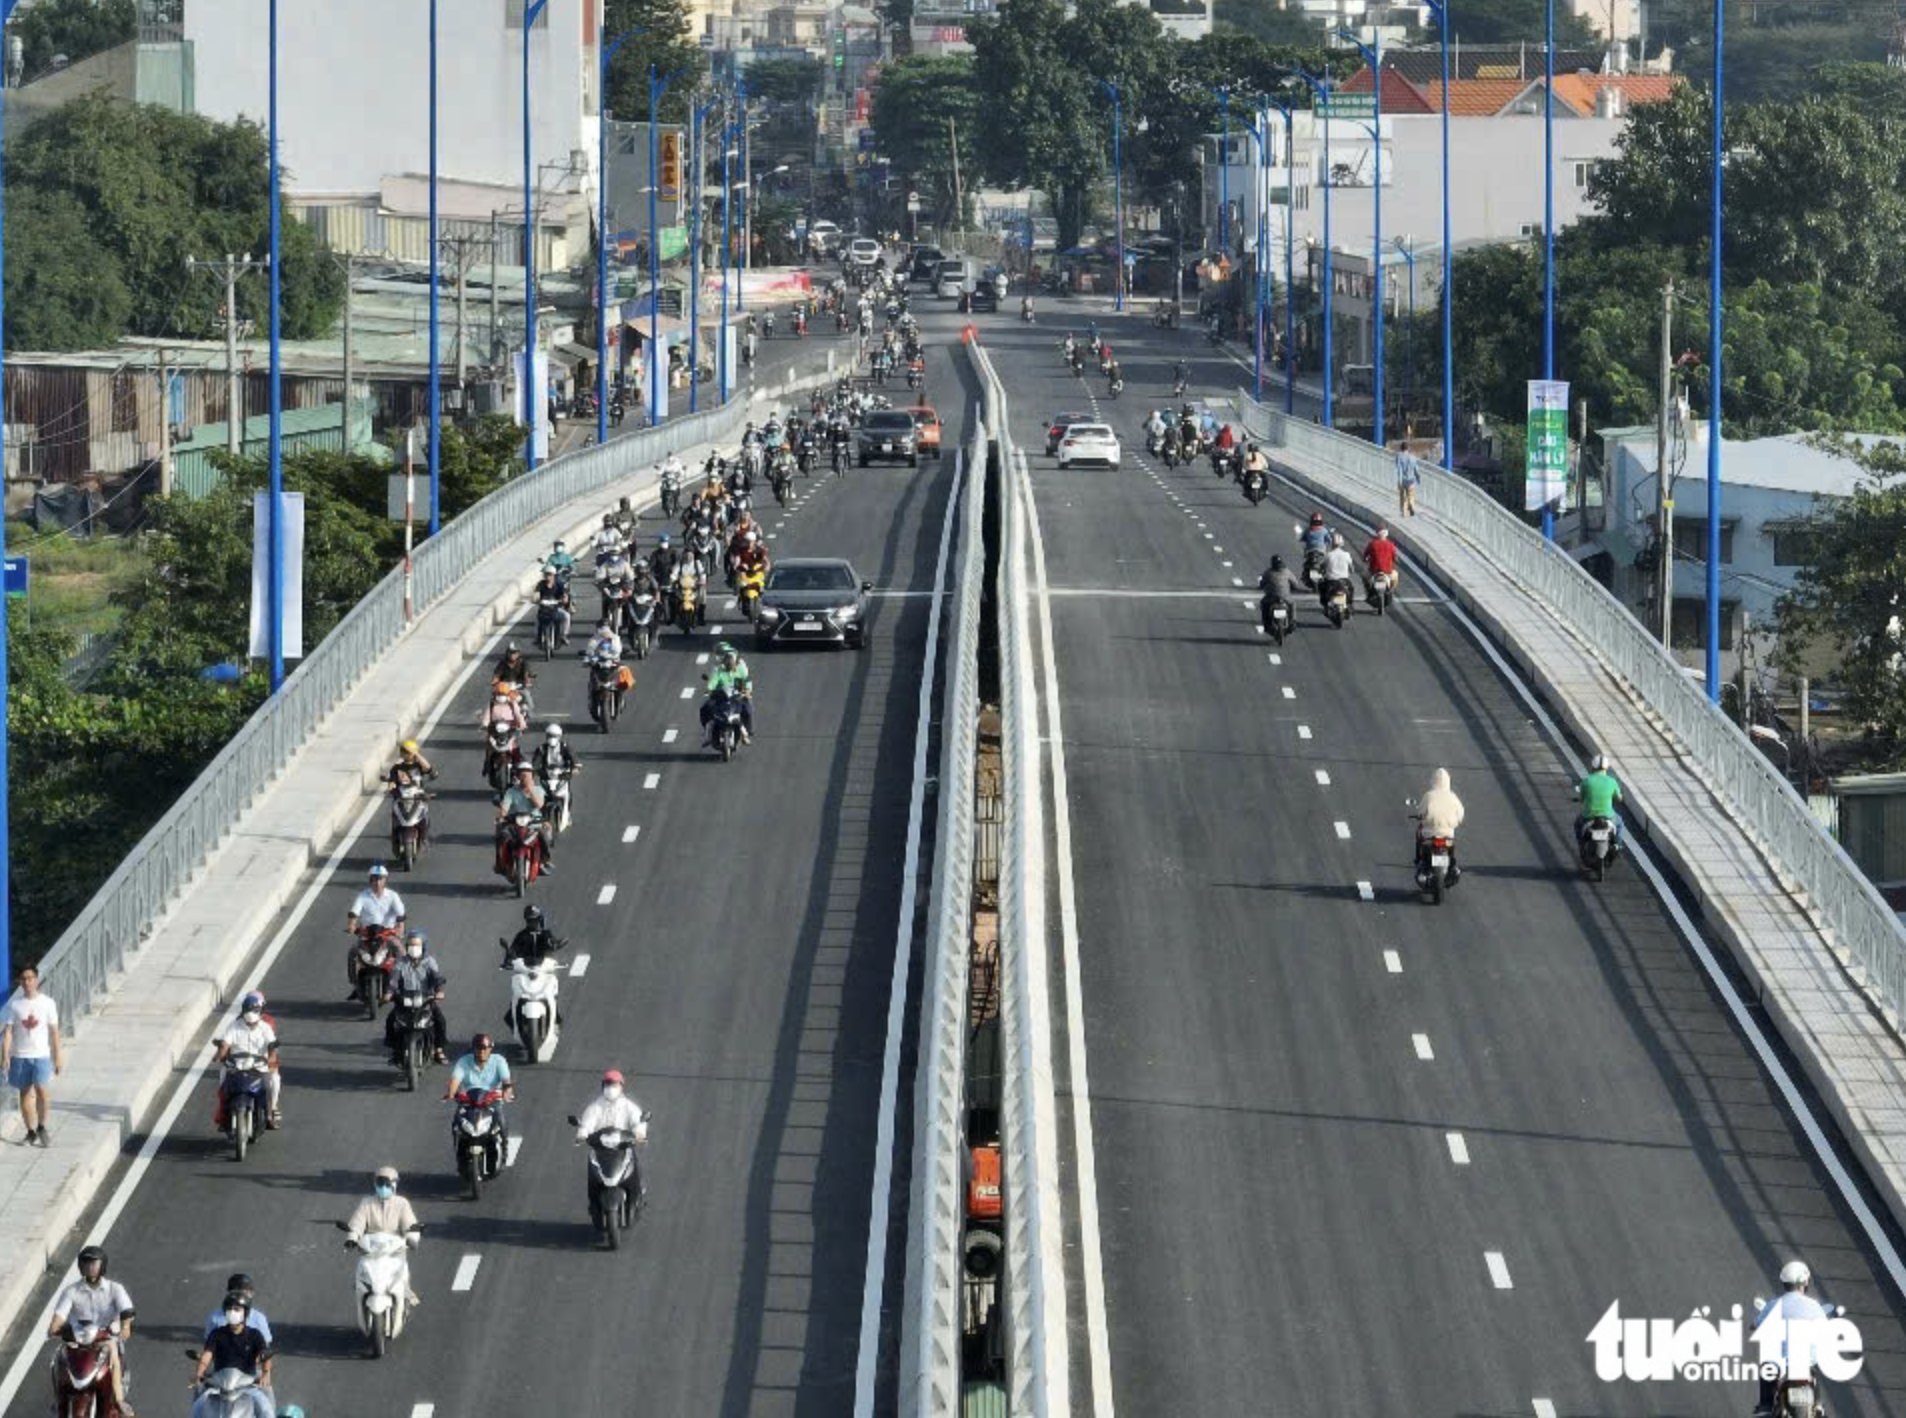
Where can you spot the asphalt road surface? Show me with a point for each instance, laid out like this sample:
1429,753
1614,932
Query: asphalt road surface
739,923
1352,1153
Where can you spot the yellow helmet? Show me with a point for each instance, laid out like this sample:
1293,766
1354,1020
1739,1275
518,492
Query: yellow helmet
409,745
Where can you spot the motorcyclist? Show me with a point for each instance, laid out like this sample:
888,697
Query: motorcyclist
1279,588
523,797
730,675
1379,556
1226,440
1155,428
102,1303
1315,539
1792,1305
236,1345
1025,307
604,645
411,766
625,518
665,560
483,1070
552,754
255,1318
418,973
613,1108
1336,569
377,907
513,670
1113,376
744,525
503,709
1600,792
383,1213
552,594
253,1033
560,561
1180,376
609,539
536,941
1439,814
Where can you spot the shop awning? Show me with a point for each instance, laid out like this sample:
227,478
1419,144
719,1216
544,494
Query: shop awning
572,354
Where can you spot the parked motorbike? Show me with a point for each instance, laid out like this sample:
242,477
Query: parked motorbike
477,1138
1382,590
501,754
409,822
1436,869
533,1016
615,1182
244,1095
382,1284
82,1373
368,964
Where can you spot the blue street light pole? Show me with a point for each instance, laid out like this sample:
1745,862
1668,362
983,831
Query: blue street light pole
436,354
1118,202
529,256
657,366
276,604
741,129
1373,56
1224,176
1320,97
1449,298
727,255
602,235
6,903
1548,219
1716,317
698,118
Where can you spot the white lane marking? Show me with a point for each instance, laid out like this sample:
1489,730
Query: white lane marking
514,1146
649,782
1498,1270
630,833
466,1272
1098,1341
423,1410
28,1357
714,630
874,1280
1392,962
1236,580
702,658
1247,605
1366,892
1276,658
688,691
1343,831
1218,550
1289,693
1227,564
1303,731
1423,1050
1458,1149
1323,779
579,967
1544,1408
670,735
732,605
607,894
1207,535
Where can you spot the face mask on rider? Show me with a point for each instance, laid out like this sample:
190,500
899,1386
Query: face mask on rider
386,1191
612,1091
252,1016
415,951
234,1317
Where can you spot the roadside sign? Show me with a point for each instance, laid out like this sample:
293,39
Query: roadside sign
16,576
1342,105
1547,455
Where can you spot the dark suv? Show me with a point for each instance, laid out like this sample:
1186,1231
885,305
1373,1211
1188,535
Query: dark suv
926,264
887,436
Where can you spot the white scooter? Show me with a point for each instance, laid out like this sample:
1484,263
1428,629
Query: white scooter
382,1285
556,789
233,1393
533,1016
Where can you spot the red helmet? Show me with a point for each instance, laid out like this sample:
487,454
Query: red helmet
614,1075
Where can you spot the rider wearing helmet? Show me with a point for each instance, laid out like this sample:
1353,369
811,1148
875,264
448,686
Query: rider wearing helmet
1793,1305
418,973
101,1303
483,1070
1336,569
665,560
1278,586
1600,792
411,765
253,1032
554,752
536,941
383,1213
1316,537
730,676
613,1108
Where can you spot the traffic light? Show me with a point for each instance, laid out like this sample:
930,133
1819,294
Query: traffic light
671,166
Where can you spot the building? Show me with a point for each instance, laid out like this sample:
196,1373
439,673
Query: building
156,66
1184,19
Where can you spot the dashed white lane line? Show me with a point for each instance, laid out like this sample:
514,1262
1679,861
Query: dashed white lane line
715,630
1392,962
702,658
1276,658
606,895
514,1146
1544,1408
423,1410
1289,693
670,735
649,782
1343,831
1366,892
1218,550
732,605
1236,580
466,1273
1303,731
630,833
1423,1050
688,691
579,967
1458,1149
1247,605
1498,1270
1323,779
1227,564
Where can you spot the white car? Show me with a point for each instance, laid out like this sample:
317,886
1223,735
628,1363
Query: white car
863,251
1089,443
823,238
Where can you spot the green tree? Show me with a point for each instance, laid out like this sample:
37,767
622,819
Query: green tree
791,80
667,41
152,187
1848,598
1875,90
912,105
64,289
1509,21
77,29
1268,24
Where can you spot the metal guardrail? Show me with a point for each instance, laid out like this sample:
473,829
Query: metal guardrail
1037,1340
1843,904
931,1320
160,868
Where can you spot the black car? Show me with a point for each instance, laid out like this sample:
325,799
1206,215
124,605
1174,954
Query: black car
1056,428
815,598
887,436
926,264
985,297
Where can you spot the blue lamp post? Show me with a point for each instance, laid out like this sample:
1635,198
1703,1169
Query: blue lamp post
1716,319
6,904
1373,56
436,354
1319,86
530,407
602,233
1224,175
727,254
657,366
697,119
276,604
1548,218
741,130
1118,200
1449,290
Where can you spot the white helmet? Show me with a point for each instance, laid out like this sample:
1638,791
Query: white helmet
1795,1274
1599,764
553,733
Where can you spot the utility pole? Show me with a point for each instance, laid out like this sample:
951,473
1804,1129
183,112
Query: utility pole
959,201
165,427
1664,491
349,262
230,268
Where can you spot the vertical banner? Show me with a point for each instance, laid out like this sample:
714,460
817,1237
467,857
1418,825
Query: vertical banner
540,423
1547,465
292,506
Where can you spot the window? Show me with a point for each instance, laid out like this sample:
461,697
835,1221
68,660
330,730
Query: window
1529,231
1584,169
1794,545
1689,631
1690,539
513,14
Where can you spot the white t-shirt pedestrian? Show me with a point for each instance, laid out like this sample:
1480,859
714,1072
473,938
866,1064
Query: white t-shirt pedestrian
32,1022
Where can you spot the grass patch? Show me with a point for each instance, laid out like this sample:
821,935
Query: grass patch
71,582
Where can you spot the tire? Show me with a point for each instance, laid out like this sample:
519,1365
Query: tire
472,1175
1601,871
380,1335
727,747
499,773
407,848
1277,632
519,875
241,1128
1437,888
370,990
413,1062
612,1226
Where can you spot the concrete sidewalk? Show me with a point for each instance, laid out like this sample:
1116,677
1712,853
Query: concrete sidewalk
1837,1033
123,1057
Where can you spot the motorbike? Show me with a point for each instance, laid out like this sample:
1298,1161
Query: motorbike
477,1139
687,601
1152,442
368,964
608,682
1382,587
1224,462
549,629
1025,311
501,754
1178,387
409,823
533,1015
804,457
1116,387
382,1284
412,1029
1213,333
615,1185
519,855
767,327
1313,567
232,1393
1277,619
1599,846
1337,603
779,481
1077,361
1170,448
639,620
1164,318
82,1373
703,548
245,1099
915,378
725,724
800,325
748,591
671,494
555,782
1254,486
1436,869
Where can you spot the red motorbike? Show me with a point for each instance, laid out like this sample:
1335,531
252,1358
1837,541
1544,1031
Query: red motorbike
519,851
82,1374
372,956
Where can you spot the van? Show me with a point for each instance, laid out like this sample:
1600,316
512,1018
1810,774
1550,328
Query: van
955,276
